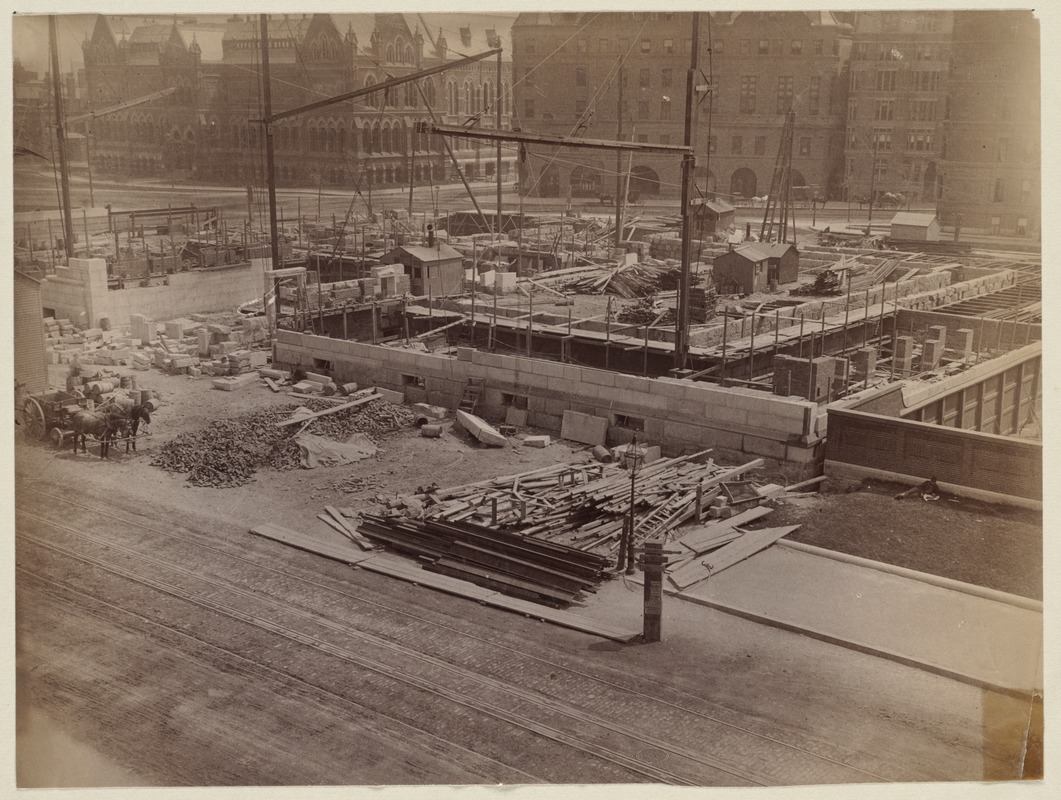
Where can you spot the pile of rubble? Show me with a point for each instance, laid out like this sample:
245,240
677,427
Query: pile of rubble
229,452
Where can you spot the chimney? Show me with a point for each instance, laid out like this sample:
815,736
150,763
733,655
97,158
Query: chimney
430,235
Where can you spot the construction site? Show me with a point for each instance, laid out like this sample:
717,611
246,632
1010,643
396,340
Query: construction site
611,416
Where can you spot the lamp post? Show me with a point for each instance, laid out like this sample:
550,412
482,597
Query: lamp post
633,458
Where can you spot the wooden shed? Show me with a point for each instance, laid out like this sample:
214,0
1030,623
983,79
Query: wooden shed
435,269
909,226
751,267
714,217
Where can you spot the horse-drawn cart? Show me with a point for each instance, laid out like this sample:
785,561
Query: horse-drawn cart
48,415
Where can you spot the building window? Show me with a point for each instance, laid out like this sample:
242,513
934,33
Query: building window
580,76
745,47
646,45
582,46
796,48
1003,150
644,77
882,140
926,81
747,94
665,109
764,47
919,140
999,193
668,46
580,107
887,80
528,109
624,45
814,96
927,23
836,47
666,77
884,110
880,167
804,145
1022,226
923,110
861,51
602,46
642,109
818,46
760,145
736,146
852,109
784,93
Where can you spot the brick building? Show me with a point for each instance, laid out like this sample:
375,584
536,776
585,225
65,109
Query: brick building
900,63
205,130
992,162
567,67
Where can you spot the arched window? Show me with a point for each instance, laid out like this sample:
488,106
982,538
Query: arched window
429,91
366,139
377,139
387,143
488,95
469,100
506,93
390,53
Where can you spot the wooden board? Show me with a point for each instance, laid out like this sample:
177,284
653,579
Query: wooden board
337,552
712,530
325,412
349,529
750,543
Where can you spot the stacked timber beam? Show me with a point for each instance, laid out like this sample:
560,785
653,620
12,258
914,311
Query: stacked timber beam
585,506
532,569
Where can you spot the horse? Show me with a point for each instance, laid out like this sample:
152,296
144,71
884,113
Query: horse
103,426
132,419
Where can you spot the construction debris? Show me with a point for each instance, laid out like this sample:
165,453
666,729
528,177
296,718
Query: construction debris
228,452
532,569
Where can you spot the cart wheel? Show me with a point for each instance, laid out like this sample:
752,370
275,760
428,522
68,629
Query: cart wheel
33,418
57,438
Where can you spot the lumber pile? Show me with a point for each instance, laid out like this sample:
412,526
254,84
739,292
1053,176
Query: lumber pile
585,505
524,567
228,452
626,280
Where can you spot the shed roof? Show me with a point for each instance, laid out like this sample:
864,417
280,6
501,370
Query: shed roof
914,219
760,251
718,206
440,252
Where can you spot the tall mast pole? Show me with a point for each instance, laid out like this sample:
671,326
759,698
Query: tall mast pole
267,105
60,140
681,331
497,124
619,193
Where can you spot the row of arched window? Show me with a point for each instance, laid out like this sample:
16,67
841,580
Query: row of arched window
469,98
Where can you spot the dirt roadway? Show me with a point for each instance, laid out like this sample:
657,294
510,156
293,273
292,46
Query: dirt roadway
175,683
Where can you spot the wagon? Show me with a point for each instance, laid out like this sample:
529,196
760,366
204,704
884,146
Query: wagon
48,415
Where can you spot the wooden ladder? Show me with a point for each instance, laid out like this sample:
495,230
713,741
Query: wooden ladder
472,392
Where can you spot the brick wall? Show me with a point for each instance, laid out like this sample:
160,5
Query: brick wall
679,415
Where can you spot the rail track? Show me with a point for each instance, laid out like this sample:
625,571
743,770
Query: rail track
539,706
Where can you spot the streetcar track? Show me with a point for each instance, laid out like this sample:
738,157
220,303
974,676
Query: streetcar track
454,696
283,677
401,649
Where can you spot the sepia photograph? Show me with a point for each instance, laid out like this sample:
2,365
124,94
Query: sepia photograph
495,398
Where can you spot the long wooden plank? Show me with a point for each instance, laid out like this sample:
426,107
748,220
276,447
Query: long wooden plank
354,404
746,546
706,533
349,529
336,552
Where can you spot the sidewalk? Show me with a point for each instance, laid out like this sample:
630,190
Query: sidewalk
967,636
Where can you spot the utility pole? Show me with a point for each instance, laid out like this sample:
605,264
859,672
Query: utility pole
619,162
60,140
872,183
267,109
681,331
497,124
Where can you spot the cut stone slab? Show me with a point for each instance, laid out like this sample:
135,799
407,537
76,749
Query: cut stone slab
584,428
481,429
538,441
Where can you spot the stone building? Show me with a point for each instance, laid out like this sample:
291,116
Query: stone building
206,130
900,65
992,160
762,64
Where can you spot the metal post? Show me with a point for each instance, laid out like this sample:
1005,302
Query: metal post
497,124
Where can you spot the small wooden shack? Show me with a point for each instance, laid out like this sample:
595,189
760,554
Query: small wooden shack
909,226
435,269
713,217
752,267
